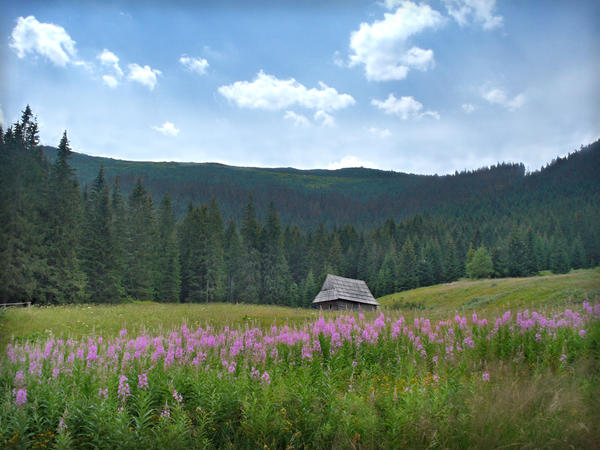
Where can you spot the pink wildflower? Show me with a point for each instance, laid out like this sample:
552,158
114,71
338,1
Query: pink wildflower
123,391
266,379
142,382
486,376
177,396
20,397
103,393
582,333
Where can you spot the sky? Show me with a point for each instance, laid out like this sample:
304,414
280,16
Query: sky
419,87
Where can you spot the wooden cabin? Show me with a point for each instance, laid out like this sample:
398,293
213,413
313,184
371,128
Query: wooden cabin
341,293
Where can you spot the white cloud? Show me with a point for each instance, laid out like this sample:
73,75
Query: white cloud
272,93
298,119
380,132
326,120
110,81
338,60
351,161
404,107
474,11
383,45
144,75
108,58
45,39
497,96
1,117
198,65
468,108
168,129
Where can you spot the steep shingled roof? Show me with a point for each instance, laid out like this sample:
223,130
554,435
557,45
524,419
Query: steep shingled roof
340,288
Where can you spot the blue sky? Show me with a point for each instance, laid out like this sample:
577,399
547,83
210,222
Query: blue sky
420,87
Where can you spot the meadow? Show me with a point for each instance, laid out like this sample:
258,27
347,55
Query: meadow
425,371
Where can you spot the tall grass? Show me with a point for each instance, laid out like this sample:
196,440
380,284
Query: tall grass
519,379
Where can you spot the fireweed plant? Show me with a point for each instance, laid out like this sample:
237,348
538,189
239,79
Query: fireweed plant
344,383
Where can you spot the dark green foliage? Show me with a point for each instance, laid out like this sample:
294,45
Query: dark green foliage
399,231
140,245
98,246
167,284
480,265
64,281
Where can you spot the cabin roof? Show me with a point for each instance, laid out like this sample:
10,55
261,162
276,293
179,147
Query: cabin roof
340,288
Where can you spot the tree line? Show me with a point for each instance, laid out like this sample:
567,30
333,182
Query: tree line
61,243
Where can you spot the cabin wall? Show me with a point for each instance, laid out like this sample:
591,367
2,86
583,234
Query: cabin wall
345,305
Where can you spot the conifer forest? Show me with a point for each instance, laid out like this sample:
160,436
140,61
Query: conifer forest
108,238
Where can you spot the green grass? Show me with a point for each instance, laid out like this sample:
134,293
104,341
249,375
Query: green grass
85,320
530,387
493,295
440,301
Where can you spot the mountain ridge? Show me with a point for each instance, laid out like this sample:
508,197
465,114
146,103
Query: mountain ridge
360,196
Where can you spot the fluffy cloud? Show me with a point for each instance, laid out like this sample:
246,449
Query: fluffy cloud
198,65
351,161
382,46
272,93
110,81
168,129
474,11
404,107
298,119
326,120
497,96
144,75
468,107
108,58
45,39
379,132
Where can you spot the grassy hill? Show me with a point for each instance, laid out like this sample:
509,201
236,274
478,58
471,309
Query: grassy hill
483,296
543,291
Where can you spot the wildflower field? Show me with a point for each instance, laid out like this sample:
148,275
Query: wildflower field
521,378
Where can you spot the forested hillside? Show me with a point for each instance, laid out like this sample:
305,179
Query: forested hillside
361,197
78,228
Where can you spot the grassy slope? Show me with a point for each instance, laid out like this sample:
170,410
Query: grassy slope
499,294
485,296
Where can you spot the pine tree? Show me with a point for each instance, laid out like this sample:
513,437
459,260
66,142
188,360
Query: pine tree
65,282
407,266
140,250
119,233
192,246
167,283
451,267
275,271
559,258
233,262
518,260
215,264
23,214
98,254
308,289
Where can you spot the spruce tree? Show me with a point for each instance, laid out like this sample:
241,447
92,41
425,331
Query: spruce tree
215,264
167,282
407,266
233,263
140,250
275,271
98,253
65,282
